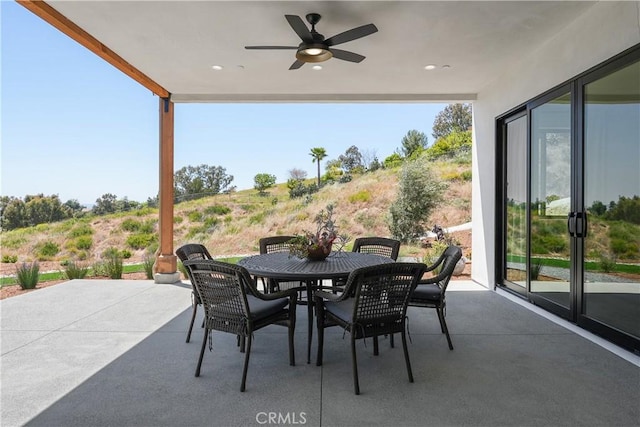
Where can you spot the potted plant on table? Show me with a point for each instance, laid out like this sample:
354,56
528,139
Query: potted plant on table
316,246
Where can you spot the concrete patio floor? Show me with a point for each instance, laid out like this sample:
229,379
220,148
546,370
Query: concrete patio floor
112,353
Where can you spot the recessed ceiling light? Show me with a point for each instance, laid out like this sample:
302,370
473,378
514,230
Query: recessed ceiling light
430,67
317,67
446,66
240,67
217,67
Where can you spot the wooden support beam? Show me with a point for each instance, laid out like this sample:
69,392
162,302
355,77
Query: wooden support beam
166,262
68,27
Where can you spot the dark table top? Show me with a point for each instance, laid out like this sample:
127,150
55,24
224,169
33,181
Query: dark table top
281,265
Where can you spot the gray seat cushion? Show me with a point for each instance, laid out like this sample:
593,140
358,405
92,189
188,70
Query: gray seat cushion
341,309
261,309
429,292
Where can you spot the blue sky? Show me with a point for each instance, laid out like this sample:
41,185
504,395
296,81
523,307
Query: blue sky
73,125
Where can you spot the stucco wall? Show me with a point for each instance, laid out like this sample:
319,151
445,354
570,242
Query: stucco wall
603,31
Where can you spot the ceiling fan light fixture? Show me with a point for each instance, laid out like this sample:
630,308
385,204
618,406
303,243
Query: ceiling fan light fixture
313,53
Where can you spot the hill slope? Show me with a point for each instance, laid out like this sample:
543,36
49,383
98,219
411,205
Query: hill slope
232,224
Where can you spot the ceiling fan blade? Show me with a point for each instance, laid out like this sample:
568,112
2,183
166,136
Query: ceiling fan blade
296,65
345,55
271,47
300,28
352,34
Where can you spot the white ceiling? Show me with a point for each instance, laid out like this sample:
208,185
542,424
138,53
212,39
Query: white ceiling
176,43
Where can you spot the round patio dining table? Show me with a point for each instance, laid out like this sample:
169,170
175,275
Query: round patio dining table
283,266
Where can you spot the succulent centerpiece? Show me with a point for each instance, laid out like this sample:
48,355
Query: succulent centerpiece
316,246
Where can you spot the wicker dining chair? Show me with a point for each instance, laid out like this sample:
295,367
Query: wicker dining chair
378,246
382,246
185,253
377,305
430,292
270,245
233,304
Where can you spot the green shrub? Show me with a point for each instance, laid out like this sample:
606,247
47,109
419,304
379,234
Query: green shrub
420,192
81,230
83,242
177,219
11,259
147,264
211,222
195,216
110,251
607,263
126,253
113,266
217,210
75,270
131,225
536,268
98,269
257,218
27,275
140,241
360,197
47,250
148,227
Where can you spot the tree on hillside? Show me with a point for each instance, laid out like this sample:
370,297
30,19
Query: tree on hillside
263,181
419,192
105,204
351,160
455,143
413,142
192,182
318,153
297,174
454,117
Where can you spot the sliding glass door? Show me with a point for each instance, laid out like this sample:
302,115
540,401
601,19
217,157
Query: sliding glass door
569,201
611,291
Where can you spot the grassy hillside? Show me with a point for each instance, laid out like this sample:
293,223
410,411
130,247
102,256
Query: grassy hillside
232,224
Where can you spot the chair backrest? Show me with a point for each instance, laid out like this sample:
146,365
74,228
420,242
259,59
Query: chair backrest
222,291
273,244
382,294
447,262
192,251
377,246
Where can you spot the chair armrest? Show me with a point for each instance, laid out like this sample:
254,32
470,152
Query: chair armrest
329,296
288,293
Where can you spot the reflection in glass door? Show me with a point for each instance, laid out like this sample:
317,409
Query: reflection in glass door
611,292
516,201
550,201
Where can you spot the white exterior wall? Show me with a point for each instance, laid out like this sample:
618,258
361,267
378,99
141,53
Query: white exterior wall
603,31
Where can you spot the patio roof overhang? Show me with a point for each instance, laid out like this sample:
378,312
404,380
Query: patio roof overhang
171,46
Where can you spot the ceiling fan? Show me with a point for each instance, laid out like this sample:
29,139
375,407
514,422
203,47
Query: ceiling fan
314,47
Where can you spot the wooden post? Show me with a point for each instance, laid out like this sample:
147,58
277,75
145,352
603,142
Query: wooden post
166,263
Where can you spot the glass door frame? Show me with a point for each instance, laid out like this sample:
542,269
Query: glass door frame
582,319
501,228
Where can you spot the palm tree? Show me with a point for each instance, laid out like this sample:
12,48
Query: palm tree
318,154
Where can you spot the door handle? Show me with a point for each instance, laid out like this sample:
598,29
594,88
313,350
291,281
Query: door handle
581,230
571,224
